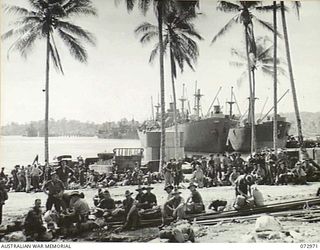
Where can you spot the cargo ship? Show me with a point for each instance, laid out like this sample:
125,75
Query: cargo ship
239,138
200,134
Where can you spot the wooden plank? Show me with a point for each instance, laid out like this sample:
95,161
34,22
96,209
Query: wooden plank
267,208
278,214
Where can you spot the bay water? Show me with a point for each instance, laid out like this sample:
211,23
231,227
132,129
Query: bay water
20,150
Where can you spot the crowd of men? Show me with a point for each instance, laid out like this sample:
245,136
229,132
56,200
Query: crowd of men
72,209
265,168
74,176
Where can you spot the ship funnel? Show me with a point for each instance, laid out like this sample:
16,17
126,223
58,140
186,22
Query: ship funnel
217,109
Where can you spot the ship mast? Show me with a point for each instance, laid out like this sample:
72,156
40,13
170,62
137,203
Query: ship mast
197,96
157,110
152,110
231,102
183,99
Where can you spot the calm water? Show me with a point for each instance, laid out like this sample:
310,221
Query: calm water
22,150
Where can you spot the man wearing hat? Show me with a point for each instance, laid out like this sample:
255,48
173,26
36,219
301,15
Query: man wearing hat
139,195
194,202
130,211
299,174
54,188
149,200
79,210
198,176
15,179
169,190
168,172
64,172
233,176
177,173
106,204
175,207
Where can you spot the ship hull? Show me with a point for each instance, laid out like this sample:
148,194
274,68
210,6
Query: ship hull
207,135
240,137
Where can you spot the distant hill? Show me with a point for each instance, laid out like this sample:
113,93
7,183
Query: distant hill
310,123
64,127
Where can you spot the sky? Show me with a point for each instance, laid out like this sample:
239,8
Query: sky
118,81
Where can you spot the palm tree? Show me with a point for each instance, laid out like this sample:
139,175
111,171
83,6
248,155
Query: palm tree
46,20
262,60
275,79
245,17
290,69
161,7
178,39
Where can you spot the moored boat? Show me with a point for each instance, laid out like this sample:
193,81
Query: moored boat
240,137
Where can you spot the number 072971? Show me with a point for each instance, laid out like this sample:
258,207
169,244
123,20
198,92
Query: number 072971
309,246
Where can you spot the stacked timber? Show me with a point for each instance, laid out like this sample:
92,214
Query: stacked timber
296,208
270,208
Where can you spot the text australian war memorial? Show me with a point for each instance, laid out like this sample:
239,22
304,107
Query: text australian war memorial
222,128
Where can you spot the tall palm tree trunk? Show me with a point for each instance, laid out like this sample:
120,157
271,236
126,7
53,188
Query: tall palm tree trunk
253,92
162,90
275,89
251,114
176,133
46,119
293,88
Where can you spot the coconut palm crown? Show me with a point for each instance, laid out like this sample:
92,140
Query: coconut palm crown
49,19
46,20
178,37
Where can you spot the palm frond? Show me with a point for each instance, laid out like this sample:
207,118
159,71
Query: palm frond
250,4
266,25
55,55
130,4
76,30
25,42
38,4
173,64
235,52
146,27
74,46
144,5
147,37
17,10
296,7
237,64
18,31
226,6
154,53
79,7
224,29
241,78
267,8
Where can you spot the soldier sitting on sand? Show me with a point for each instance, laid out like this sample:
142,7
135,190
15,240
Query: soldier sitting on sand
243,191
79,210
300,175
132,220
194,203
106,205
174,207
149,200
33,224
138,197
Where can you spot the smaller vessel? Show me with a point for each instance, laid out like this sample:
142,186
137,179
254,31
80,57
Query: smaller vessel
239,138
